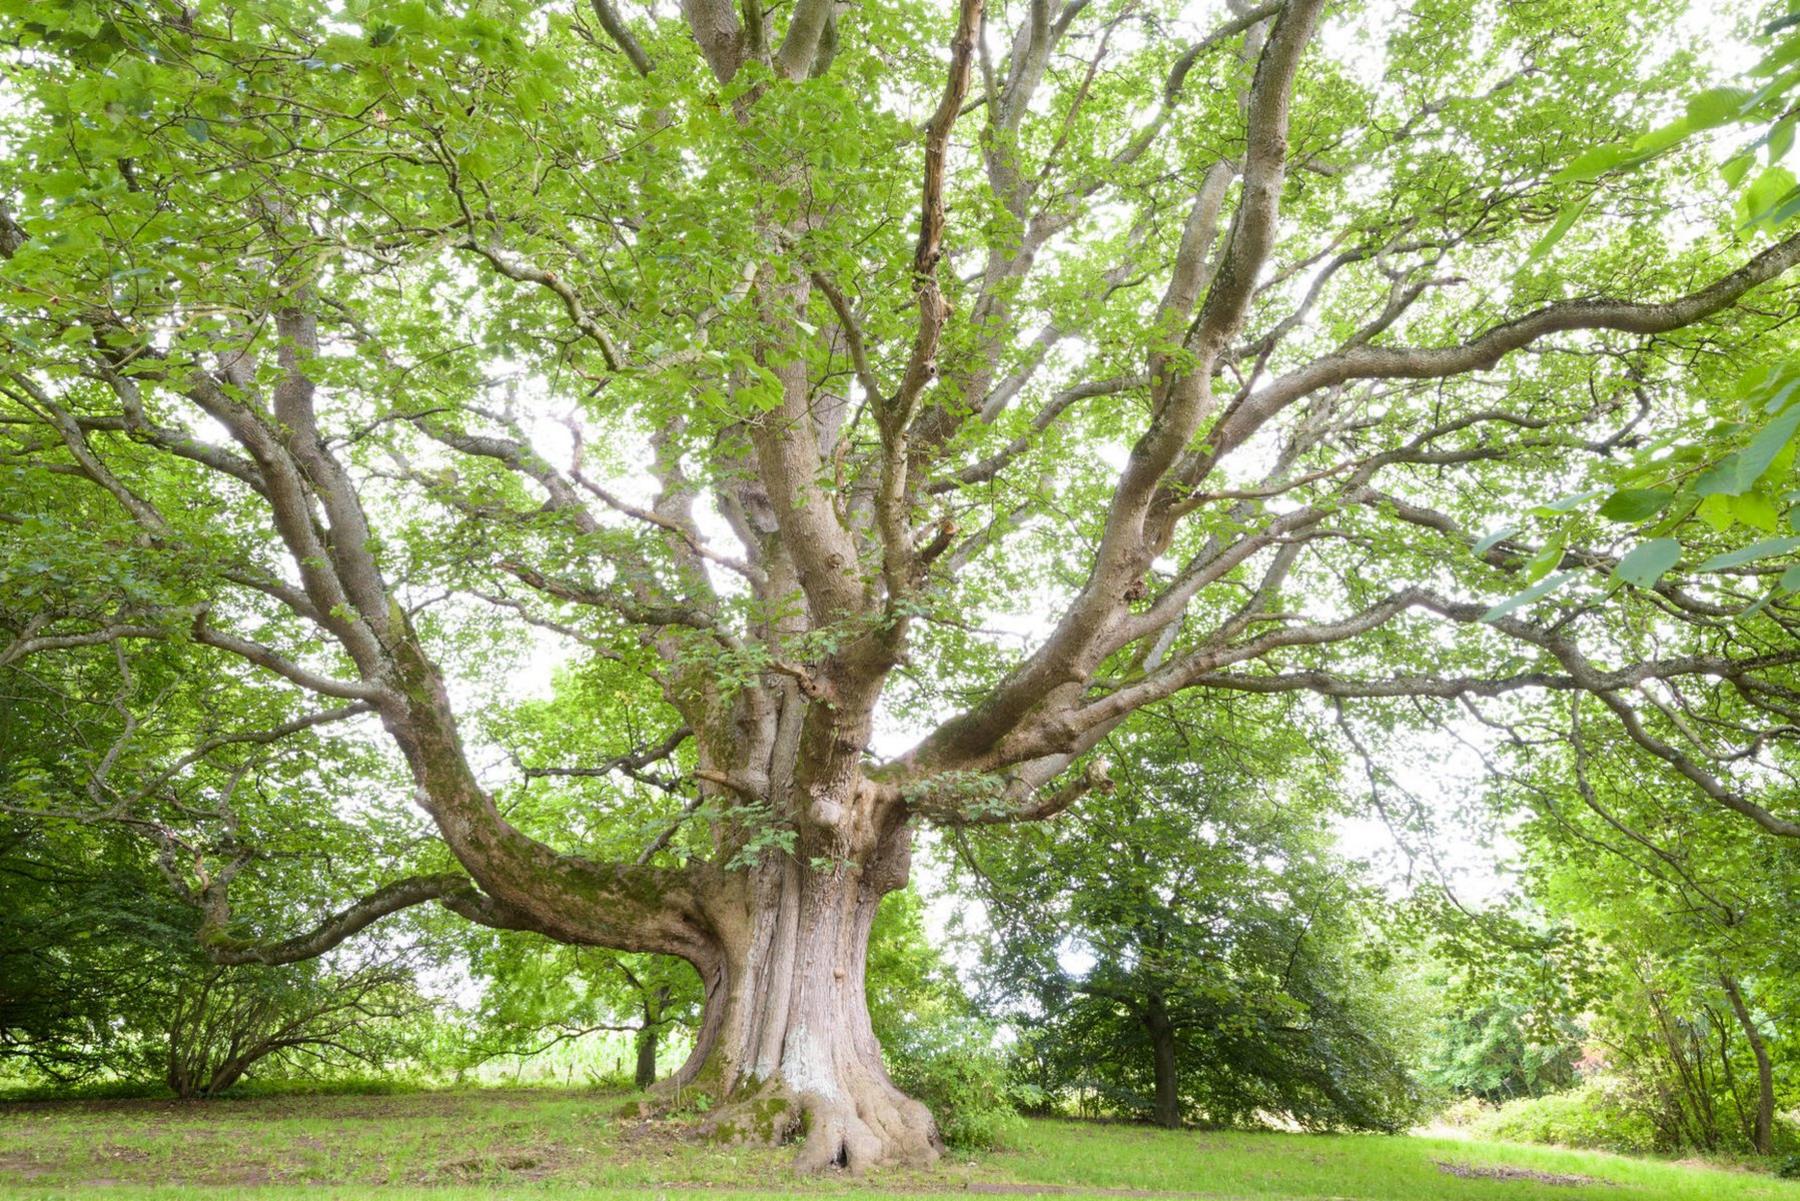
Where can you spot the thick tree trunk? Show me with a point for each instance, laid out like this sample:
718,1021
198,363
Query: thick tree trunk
1167,1106
785,1047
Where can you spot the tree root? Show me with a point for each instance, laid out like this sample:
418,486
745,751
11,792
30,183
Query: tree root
877,1126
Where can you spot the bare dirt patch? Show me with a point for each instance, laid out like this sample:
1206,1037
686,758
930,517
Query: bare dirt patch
1469,1171
23,1166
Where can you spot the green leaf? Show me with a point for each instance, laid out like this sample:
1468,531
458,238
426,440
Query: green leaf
1784,212
1492,540
1636,504
1659,140
1770,188
1781,138
197,129
475,164
1542,563
1565,504
1790,579
1536,592
1715,511
1593,163
1647,562
1565,221
1760,604
1754,510
1738,472
1779,398
1715,106
1766,548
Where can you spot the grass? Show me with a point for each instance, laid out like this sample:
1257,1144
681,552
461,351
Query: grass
565,1143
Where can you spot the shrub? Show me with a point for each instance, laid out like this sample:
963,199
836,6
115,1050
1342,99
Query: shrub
1789,1167
953,1066
1587,1116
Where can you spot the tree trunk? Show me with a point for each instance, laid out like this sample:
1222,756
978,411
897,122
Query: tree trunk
785,1048
1167,1109
1762,1134
646,1056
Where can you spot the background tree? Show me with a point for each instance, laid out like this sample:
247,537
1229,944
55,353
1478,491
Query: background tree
302,1019
85,937
1490,1043
1191,944
536,994
367,333
1693,1006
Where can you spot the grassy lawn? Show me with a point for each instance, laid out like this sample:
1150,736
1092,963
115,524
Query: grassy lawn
564,1143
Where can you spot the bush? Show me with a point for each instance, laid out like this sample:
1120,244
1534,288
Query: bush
953,1066
1789,1168
1587,1116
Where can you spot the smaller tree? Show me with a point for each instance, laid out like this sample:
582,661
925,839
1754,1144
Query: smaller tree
1190,943
538,994
223,1021
1676,920
133,906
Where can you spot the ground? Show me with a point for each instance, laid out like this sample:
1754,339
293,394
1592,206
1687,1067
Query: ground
566,1143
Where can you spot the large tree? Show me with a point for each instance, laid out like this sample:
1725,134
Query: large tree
826,370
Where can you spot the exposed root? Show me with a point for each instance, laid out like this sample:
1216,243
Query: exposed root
876,1130
763,1117
878,1126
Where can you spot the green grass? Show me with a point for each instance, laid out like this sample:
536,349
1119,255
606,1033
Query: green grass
560,1143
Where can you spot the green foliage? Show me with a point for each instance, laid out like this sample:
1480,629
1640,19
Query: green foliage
1588,1117
538,994
954,1066
90,943
297,1020
934,1045
1727,470
103,981
1485,1044
103,975
1197,907
1676,917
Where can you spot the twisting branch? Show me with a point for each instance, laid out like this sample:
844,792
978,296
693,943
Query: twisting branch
222,948
1487,349
631,763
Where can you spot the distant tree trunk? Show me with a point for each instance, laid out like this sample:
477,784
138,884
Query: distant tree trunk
646,1056
1762,1133
1167,1108
648,1035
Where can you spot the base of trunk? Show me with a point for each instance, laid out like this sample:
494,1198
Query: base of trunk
785,1051
869,1125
